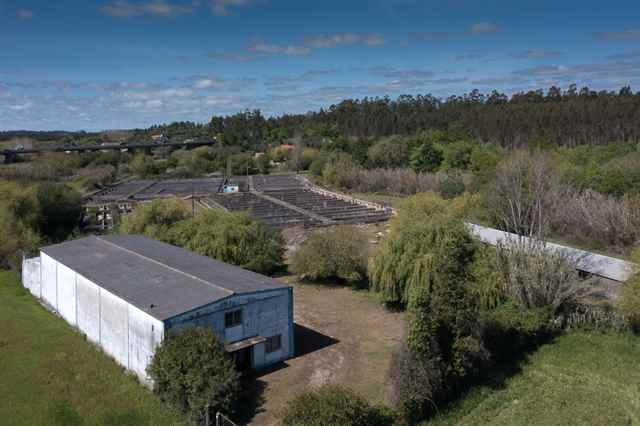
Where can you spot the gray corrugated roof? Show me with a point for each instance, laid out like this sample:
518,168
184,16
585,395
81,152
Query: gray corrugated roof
147,273
596,264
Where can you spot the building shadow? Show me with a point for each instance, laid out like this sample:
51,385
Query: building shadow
308,340
252,399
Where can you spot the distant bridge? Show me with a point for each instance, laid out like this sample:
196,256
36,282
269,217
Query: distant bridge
10,155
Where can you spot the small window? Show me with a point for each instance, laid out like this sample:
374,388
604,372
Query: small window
273,344
233,319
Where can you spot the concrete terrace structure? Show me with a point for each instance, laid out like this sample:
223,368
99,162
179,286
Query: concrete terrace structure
127,293
277,200
605,267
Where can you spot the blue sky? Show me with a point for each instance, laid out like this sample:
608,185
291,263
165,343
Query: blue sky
77,64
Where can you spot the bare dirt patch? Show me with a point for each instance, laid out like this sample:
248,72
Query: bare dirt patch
343,336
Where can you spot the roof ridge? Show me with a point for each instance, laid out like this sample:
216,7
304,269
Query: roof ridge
231,292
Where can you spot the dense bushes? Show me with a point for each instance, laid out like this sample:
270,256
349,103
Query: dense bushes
629,299
35,214
332,405
590,216
401,262
155,219
233,238
525,194
192,371
339,252
16,239
60,211
229,237
469,306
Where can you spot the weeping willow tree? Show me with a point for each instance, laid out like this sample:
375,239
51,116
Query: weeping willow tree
428,264
404,259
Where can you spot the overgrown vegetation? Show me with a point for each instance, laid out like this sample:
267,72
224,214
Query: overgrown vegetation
192,371
30,215
629,298
228,237
332,405
339,252
470,307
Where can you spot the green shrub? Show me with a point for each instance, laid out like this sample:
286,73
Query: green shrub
332,405
426,158
192,371
400,263
629,299
451,186
457,155
60,211
388,154
340,252
16,238
155,219
232,238
143,166
317,165
533,276
228,237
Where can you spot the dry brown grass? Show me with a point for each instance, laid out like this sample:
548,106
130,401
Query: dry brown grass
342,337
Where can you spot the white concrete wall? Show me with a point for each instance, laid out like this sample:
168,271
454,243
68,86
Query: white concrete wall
264,314
88,303
113,327
123,331
66,279
49,280
31,278
145,334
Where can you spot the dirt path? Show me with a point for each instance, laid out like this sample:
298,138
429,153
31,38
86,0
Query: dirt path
342,336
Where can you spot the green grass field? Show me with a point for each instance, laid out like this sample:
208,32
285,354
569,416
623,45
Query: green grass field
581,378
50,375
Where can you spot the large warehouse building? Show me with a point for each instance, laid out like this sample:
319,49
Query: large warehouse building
126,293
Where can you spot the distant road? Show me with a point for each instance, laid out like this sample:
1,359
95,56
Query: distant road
10,154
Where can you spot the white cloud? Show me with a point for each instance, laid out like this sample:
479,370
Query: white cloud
337,39
619,35
235,57
484,27
277,49
536,53
25,14
222,7
126,9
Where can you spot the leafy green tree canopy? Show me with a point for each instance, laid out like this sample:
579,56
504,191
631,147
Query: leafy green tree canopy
401,262
155,219
233,238
192,371
339,252
426,158
60,211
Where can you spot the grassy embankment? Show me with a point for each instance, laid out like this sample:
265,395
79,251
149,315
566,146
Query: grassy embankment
50,375
581,378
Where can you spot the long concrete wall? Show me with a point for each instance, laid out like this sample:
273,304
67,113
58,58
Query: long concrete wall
123,331
265,314
31,278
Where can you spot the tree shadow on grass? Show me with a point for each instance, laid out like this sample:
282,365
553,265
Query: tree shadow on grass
510,359
251,401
